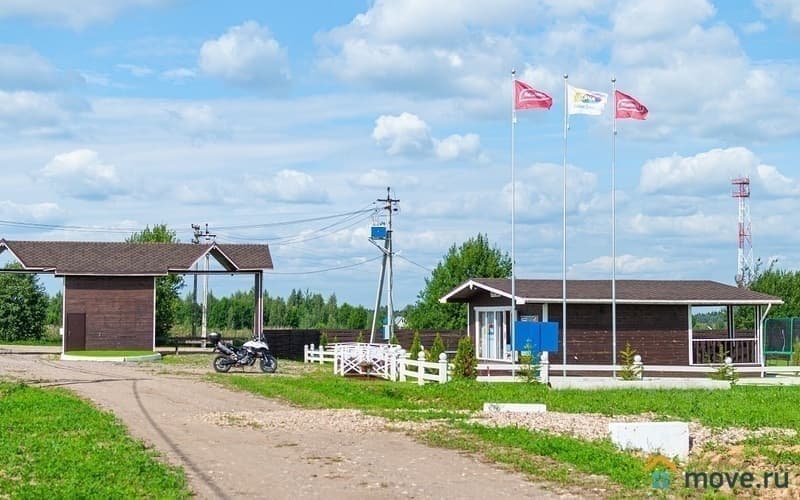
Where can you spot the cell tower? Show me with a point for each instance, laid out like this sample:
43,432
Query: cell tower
741,191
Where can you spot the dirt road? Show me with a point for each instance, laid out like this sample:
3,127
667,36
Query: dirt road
235,445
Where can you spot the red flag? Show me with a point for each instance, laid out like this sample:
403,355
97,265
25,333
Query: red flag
527,97
628,107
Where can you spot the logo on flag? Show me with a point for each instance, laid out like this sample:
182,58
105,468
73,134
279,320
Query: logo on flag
585,102
527,97
628,107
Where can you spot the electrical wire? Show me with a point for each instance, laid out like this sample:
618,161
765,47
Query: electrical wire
330,268
296,221
412,262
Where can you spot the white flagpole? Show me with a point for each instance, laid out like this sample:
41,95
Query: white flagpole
564,242
512,316
614,231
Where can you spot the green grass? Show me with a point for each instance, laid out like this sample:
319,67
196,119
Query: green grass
55,444
51,337
743,406
112,353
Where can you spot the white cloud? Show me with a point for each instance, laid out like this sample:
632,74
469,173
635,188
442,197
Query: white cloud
136,70
711,172
780,9
456,147
539,191
407,134
82,174
248,56
38,114
708,228
178,75
381,178
199,122
291,186
25,69
404,134
10,210
640,19
76,13
753,27
626,264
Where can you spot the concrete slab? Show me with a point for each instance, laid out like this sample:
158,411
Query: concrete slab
671,439
515,407
115,359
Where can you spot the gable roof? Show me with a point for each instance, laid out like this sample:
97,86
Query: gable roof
131,259
599,291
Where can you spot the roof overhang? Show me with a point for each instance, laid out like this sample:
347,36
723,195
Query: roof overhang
463,292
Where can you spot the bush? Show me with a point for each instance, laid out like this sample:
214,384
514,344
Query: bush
436,349
323,340
725,371
530,363
360,338
629,371
393,339
416,346
23,306
465,364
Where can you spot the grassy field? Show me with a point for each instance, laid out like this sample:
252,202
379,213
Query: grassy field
55,444
51,337
548,456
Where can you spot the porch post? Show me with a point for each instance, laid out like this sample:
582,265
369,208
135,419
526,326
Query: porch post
258,292
691,336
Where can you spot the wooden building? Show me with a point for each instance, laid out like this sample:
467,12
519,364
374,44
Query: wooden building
109,288
655,317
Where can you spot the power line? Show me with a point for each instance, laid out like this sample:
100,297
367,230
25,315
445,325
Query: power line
412,262
332,268
296,221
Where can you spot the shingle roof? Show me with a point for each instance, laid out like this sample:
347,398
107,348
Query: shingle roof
107,258
599,291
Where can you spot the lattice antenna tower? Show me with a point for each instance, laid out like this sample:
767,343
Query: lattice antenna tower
741,191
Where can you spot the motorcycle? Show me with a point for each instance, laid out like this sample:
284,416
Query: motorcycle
246,355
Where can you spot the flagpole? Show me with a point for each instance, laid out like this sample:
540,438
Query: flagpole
564,243
512,316
614,231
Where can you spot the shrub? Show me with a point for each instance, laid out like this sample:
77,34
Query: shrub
416,346
465,364
436,349
323,340
530,364
360,338
724,371
393,339
629,371
794,360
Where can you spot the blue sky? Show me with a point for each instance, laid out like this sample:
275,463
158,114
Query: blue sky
114,115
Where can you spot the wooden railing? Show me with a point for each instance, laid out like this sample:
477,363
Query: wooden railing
741,350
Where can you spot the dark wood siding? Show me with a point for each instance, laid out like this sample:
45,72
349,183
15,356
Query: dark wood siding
659,333
119,310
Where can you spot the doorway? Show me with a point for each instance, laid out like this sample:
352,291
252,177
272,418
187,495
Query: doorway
76,332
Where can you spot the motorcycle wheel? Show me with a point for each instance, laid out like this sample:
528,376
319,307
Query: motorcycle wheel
269,363
221,364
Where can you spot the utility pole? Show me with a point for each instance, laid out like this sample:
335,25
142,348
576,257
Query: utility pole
209,238
389,204
195,240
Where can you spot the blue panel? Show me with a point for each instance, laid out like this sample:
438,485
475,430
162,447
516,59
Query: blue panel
549,337
378,233
536,336
526,336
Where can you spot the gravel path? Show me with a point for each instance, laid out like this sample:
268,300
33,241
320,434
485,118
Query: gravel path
236,445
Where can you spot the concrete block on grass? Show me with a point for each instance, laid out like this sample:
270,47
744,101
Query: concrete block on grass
671,439
515,407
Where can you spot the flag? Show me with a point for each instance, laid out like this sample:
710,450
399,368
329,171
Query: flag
585,102
527,97
628,107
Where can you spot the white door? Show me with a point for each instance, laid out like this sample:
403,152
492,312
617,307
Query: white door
492,334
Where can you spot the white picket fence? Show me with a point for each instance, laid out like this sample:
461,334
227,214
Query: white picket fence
381,360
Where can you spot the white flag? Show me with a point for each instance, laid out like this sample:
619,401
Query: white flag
585,102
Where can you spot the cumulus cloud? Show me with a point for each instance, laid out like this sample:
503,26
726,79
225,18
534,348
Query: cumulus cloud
376,178
247,56
81,174
76,14
38,114
693,226
407,134
539,191
10,210
647,19
712,171
780,9
199,122
291,186
26,69
626,264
